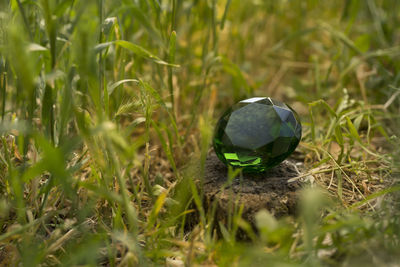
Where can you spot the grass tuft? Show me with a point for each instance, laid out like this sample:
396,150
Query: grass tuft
107,114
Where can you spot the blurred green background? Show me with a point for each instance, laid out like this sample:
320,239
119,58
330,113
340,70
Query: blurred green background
108,107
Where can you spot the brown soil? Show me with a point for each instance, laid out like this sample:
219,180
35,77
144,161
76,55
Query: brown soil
269,190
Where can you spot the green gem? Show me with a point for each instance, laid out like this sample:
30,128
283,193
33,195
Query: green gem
257,134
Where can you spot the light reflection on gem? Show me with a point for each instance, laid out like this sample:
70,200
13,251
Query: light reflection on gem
256,134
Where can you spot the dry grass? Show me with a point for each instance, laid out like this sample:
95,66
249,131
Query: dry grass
103,134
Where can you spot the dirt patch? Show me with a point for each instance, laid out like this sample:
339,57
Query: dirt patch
269,190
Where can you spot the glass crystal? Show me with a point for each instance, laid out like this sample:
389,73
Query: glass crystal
257,134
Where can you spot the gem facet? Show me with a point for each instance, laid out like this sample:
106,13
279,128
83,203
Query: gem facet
257,134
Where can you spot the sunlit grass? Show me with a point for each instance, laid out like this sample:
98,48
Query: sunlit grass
107,114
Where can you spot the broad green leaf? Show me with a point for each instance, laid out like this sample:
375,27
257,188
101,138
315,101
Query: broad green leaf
357,121
338,135
353,130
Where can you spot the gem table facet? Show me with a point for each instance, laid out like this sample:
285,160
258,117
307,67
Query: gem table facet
257,134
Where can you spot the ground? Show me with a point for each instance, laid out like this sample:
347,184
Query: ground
107,116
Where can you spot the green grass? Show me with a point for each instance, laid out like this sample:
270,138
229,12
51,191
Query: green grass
107,113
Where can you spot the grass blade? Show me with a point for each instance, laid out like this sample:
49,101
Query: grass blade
228,3
112,87
136,49
171,58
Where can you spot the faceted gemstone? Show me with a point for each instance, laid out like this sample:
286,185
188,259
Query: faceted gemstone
256,134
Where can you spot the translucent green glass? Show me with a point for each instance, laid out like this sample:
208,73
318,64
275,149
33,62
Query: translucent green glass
257,134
